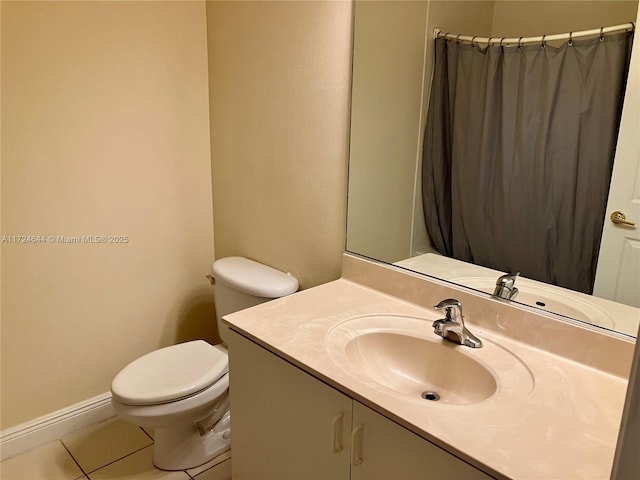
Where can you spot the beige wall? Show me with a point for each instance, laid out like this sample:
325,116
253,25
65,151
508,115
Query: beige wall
279,83
461,16
532,18
105,131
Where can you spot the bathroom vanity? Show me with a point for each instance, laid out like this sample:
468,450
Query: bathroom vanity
348,380
323,432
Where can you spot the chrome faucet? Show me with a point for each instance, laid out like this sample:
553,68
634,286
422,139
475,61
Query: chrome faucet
452,326
505,286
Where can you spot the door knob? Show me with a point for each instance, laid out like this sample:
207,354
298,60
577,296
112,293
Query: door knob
619,218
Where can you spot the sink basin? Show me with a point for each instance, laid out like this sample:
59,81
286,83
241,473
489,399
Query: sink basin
402,355
414,366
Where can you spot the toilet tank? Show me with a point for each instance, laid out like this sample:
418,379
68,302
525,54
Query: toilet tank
242,283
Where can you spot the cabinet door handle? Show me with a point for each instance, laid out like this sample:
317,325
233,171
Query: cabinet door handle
356,446
337,423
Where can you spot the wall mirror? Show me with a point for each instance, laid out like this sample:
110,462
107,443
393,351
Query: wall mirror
392,67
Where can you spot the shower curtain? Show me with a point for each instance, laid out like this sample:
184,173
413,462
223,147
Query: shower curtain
518,153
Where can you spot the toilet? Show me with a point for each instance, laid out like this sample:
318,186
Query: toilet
182,391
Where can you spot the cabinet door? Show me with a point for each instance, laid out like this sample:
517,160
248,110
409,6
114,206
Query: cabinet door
285,424
384,450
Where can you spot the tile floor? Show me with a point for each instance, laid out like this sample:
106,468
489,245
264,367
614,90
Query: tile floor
109,450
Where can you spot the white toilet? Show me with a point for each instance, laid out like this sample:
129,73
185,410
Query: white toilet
182,391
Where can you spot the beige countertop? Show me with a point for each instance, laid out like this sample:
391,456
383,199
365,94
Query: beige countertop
562,425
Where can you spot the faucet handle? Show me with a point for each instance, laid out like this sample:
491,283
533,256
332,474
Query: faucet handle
451,307
507,280
449,302
505,286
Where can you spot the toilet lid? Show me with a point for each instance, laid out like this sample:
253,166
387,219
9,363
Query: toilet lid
170,373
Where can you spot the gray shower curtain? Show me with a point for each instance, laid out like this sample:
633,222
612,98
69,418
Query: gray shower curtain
518,153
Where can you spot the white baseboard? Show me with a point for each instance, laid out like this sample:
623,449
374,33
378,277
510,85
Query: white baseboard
28,435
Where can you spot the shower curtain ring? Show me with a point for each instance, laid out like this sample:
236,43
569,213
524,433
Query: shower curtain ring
544,42
446,37
458,42
501,40
570,39
473,41
520,43
602,34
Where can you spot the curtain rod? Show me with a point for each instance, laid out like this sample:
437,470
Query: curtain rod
507,41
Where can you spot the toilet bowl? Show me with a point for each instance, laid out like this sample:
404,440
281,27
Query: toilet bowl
182,391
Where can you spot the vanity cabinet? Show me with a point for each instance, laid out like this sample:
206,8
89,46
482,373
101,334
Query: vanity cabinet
285,425
383,450
288,425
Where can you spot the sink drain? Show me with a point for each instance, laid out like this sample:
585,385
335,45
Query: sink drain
433,396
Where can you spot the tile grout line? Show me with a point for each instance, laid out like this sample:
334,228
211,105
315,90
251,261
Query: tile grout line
84,474
147,434
116,461
194,477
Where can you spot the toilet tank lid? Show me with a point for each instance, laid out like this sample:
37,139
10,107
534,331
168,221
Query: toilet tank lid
253,278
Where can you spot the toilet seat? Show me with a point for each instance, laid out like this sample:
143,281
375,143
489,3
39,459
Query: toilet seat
170,374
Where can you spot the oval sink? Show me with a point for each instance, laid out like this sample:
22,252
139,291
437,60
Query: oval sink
412,366
404,356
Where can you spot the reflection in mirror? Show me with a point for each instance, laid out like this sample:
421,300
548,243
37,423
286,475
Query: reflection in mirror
393,63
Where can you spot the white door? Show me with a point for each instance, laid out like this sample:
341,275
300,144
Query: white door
618,271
